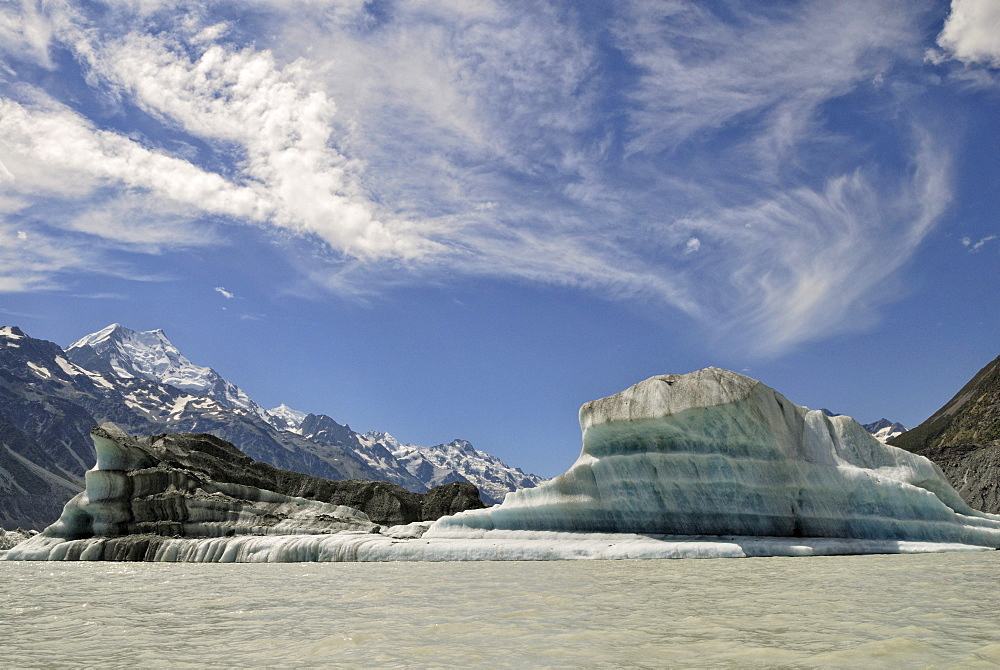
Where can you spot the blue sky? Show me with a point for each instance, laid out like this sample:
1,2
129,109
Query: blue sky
464,219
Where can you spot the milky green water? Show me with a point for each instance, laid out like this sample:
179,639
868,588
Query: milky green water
921,610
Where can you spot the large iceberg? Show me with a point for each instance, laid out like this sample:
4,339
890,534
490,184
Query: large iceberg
714,452
707,464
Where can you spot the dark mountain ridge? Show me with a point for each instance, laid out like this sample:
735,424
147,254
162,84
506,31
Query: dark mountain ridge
963,438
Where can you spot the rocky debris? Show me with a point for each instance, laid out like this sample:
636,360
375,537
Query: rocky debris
974,471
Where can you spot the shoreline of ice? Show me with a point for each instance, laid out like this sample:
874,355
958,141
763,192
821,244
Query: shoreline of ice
495,546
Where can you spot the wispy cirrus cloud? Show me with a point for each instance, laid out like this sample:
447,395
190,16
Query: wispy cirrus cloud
693,160
812,261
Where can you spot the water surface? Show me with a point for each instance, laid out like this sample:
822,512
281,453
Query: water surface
913,610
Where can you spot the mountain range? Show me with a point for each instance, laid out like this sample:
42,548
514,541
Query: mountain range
51,398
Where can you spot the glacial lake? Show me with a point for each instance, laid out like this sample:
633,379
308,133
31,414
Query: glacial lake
901,610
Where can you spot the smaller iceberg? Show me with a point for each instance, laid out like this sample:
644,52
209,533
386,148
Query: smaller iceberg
701,465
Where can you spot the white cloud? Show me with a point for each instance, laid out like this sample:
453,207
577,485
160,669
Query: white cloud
281,123
28,262
25,32
486,139
221,290
813,261
52,150
976,246
701,74
971,33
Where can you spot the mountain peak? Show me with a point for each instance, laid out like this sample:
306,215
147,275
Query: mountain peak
287,418
125,353
146,354
102,335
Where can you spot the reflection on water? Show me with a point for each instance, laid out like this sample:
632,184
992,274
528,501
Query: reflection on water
929,609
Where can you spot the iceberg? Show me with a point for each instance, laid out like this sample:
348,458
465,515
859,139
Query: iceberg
706,464
714,452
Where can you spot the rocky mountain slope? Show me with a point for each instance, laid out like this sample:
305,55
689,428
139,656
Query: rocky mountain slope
443,463
456,461
963,438
50,399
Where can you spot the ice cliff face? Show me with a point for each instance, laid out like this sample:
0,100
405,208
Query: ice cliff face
717,453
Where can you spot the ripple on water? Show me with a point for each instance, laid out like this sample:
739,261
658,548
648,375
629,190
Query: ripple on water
936,609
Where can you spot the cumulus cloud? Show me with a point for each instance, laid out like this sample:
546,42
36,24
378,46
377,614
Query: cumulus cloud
971,33
221,290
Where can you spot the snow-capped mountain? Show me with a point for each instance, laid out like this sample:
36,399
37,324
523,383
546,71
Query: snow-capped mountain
48,405
125,353
286,418
322,429
50,398
443,463
884,430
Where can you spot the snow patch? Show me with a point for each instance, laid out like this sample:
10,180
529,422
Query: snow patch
68,367
181,403
8,332
40,371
